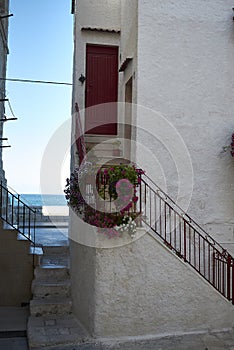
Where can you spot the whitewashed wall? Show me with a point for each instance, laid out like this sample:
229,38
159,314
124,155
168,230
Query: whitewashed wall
185,72
104,14
142,288
182,66
101,13
128,49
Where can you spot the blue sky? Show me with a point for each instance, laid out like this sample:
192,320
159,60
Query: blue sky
41,48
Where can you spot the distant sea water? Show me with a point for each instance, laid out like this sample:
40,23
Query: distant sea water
52,204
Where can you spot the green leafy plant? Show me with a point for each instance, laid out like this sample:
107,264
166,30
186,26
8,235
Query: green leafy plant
120,183
110,176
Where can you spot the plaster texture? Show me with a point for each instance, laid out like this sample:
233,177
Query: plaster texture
185,55
105,15
129,22
142,288
16,269
181,70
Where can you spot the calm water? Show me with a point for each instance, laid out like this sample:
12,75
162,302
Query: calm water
52,204
44,200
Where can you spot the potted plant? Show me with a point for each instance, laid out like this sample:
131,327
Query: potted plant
118,184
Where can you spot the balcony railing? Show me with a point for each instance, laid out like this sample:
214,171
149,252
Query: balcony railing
17,214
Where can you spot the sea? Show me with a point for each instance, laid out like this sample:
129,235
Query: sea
52,204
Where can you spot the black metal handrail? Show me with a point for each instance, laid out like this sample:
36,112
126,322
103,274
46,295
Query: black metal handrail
186,238
17,214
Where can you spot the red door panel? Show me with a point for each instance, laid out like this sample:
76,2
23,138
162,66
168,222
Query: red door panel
101,87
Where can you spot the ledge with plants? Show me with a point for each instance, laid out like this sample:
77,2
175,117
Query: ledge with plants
113,208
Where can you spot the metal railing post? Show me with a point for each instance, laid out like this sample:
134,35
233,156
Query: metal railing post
1,200
185,243
229,260
200,251
8,199
232,266
18,211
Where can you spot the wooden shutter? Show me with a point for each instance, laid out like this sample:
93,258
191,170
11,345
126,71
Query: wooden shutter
101,87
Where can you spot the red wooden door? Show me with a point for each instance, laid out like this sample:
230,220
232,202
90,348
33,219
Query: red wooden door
101,87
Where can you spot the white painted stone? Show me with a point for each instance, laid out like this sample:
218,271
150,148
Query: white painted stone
57,273
182,68
185,72
142,288
50,306
66,330
104,14
48,289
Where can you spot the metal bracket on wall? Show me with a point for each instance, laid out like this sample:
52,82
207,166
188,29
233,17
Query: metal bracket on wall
5,119
4,139
82,79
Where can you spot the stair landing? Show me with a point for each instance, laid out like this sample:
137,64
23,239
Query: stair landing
55,331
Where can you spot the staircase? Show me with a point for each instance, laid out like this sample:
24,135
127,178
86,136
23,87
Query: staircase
52,323
185,237
179,232
17,238
16,214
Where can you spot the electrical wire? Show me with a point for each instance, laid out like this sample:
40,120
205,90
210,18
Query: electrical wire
10,107
36,81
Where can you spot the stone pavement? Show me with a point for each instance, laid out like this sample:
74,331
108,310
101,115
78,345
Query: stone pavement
13,344
205,341
211,341
13,321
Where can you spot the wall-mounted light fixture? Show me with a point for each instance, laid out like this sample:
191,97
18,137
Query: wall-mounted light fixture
82,79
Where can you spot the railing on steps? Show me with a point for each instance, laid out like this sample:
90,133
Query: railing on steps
186,238
180,233
17,214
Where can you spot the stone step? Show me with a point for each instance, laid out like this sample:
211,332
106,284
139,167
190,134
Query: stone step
36,250
51,273
56,250
53,332
51,289
50,306
55,260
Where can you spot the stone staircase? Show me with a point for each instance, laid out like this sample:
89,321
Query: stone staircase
52,323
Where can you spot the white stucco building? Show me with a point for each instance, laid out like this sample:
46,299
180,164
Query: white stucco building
174,116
